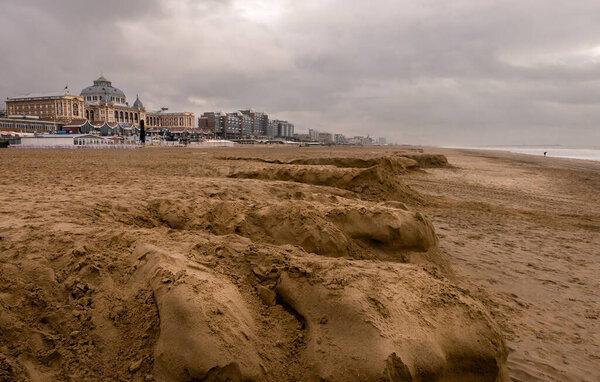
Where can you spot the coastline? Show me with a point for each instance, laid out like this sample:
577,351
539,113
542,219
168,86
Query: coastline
556,151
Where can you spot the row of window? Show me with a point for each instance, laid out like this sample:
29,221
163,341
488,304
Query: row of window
25,126
168,121
119,116
98,98
37,109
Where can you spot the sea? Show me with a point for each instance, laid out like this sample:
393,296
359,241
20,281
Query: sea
551,151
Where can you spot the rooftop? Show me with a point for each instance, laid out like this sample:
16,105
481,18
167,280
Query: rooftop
163,112
28,96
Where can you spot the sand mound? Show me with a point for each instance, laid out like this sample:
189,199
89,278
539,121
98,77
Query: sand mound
420,333
400,163
379,182
335,228
428,160
206,331
190,275
403,322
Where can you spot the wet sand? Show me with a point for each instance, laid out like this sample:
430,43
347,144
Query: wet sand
297,264
524,232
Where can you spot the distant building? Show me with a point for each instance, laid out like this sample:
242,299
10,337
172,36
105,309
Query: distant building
74,141
314,134
237,125
326,138
173,121
260,122
59,140
232,128
282,129
213,122
101,128
382,141
339,139
361,140
302,138
55,107
246,125
106,103
3,113
28,124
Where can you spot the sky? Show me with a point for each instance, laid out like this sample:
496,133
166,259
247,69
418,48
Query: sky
433,72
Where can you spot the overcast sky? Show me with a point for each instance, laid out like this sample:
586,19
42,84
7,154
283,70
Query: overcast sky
460,72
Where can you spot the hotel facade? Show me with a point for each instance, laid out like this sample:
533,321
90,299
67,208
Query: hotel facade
100,102
173,121
55,107
105,102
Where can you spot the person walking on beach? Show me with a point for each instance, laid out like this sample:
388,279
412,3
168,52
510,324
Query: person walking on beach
545,152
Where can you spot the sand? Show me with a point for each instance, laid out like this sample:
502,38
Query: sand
524,232
270,264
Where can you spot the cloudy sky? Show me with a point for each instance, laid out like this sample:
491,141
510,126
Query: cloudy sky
460,72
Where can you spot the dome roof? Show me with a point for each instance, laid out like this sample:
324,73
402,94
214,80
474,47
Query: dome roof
101,87
137,102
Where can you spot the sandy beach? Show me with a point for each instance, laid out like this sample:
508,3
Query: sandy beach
272,263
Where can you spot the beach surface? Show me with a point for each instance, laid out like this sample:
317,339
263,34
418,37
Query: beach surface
279,263
525,232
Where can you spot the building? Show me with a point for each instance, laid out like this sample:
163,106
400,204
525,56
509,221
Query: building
172,121
57,140
73,141
301,137
212,121
339,139
325,138
55,107
246,125
314,134
361,140
107,103
101,128
232,128
382,141
28,124
282,129
225,125
260,122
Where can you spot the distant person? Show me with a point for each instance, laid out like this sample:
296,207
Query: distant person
545,152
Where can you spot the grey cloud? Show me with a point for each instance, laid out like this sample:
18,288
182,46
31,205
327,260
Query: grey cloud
437,72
